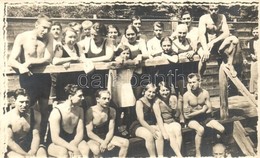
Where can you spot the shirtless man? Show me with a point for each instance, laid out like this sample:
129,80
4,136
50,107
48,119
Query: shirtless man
67,127
197,110
100,126
213,29
22,127
32,48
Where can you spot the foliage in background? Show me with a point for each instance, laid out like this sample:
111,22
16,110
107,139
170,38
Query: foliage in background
149,11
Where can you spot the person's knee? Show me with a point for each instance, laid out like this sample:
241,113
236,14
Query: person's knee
125,143
200,130
149,138
221,129
95,150
61,152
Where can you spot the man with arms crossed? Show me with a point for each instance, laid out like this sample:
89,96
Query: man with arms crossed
22,127
213,29
33,48
100,127
197,110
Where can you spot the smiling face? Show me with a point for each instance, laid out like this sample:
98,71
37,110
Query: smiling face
131,35
182,30
164,92
150,92
186,19
112,33
42,27
70,37
22,103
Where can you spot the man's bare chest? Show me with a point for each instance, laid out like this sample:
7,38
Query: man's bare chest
34,48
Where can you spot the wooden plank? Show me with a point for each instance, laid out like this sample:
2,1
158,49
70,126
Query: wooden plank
240,87
98,66
243,141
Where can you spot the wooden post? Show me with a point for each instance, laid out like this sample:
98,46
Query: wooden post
223,82
240,86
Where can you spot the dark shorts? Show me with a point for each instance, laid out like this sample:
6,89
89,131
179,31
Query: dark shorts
37,86
202,119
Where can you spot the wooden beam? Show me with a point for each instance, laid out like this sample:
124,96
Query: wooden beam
243,141
223,83
240,86
98,65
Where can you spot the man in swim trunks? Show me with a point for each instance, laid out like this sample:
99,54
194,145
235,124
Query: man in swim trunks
213,29
67,127
197,110
22,128
100,125
32,48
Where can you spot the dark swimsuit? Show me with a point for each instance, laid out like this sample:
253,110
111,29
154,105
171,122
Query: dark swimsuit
149,117
37,85
68,77
102,130
63,134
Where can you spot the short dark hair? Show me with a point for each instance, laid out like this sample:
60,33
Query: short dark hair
20,91
121,49
185,12
98,92
166,38
57,24
135,17
191,75
158,24
64,32
163,84
71,89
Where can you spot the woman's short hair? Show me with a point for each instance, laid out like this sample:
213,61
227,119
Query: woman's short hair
100,28
166,38
114,26
131,27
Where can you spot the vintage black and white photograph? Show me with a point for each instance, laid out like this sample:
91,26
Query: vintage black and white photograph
129,78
